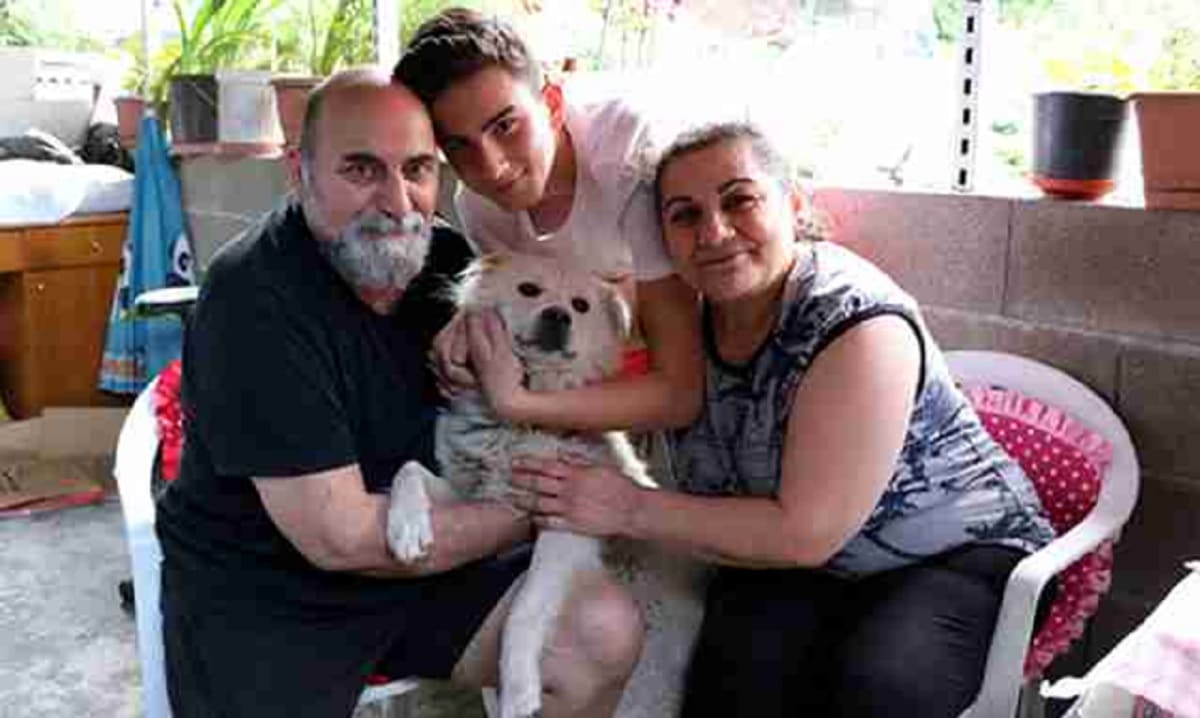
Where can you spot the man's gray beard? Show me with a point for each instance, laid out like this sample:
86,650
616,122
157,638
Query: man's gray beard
379,253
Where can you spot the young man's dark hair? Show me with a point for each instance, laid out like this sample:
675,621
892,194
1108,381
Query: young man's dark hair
456,44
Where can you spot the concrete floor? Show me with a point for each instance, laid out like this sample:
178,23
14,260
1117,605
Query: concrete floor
68,649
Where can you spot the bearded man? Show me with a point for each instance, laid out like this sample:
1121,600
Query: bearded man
305,389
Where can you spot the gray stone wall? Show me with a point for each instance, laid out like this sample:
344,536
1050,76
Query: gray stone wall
1110,295
223,196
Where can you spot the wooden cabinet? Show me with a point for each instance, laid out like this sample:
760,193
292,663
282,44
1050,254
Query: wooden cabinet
56,290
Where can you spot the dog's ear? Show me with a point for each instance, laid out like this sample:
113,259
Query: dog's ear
467,289
492,260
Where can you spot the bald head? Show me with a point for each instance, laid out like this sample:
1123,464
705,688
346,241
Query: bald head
343,90
367,178
367,144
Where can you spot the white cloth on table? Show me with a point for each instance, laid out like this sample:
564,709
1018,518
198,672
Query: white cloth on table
33,192
1158,662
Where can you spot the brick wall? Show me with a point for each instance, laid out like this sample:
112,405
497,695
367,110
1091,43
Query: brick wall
1110,295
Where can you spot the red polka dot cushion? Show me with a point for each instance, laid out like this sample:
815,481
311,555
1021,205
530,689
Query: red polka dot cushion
1066,462
169,414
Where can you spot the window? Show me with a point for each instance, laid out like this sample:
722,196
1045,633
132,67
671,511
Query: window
873,92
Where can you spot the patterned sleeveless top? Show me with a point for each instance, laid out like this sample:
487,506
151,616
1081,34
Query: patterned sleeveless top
952,486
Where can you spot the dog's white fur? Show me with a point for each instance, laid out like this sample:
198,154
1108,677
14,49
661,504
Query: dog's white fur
568,328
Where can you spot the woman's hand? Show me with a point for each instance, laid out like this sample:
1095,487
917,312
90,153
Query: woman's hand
449,358
571,496
497,369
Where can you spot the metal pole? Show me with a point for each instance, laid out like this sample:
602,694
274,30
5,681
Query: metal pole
387,32
966,122
147,52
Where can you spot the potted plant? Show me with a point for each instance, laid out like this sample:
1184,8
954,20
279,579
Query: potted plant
316,40
130,108
220,34
1077,130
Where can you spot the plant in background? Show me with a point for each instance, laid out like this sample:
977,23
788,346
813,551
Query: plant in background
46,24
633,19
1093,70
948,15
415,12
159,71
319,36
222,34
1178,67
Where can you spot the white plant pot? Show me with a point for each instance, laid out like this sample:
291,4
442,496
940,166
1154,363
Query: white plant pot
246,109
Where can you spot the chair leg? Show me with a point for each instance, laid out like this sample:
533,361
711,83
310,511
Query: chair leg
402,706
1031,704
393,707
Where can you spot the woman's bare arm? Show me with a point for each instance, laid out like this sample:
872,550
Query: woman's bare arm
847,426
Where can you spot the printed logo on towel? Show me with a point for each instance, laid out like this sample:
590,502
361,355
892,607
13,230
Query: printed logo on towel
182,271
123,298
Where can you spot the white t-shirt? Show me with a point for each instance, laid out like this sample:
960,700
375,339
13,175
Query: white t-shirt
612,227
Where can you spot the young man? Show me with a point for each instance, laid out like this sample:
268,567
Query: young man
543,175
305,390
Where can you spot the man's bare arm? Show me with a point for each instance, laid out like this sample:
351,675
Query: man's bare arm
333,522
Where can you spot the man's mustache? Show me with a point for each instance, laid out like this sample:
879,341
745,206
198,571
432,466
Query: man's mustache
385,223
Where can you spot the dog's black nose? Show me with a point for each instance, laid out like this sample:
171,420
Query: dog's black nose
553,329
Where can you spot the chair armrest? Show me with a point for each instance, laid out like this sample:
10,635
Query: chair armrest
134,462
1002,678
164,301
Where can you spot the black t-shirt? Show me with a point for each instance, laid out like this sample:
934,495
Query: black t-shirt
287,372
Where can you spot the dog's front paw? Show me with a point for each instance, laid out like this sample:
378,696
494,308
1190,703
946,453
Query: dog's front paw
409,529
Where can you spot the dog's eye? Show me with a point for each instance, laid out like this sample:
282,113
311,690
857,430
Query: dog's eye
529,289
581,305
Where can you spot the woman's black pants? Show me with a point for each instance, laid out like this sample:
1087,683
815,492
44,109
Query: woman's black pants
907,642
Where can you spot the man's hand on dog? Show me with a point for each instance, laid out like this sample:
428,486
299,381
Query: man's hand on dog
497,369
449,358
566,495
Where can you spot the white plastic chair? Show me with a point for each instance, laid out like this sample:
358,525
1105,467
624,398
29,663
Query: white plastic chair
133,470
1004,688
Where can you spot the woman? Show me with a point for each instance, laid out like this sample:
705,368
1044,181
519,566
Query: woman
833,449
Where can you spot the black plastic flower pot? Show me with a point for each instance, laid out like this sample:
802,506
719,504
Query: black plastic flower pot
193,110
1076,136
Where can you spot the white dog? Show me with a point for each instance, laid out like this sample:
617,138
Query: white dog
568,328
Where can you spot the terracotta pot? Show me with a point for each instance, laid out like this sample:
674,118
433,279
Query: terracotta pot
291,99
129,118
1169,125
